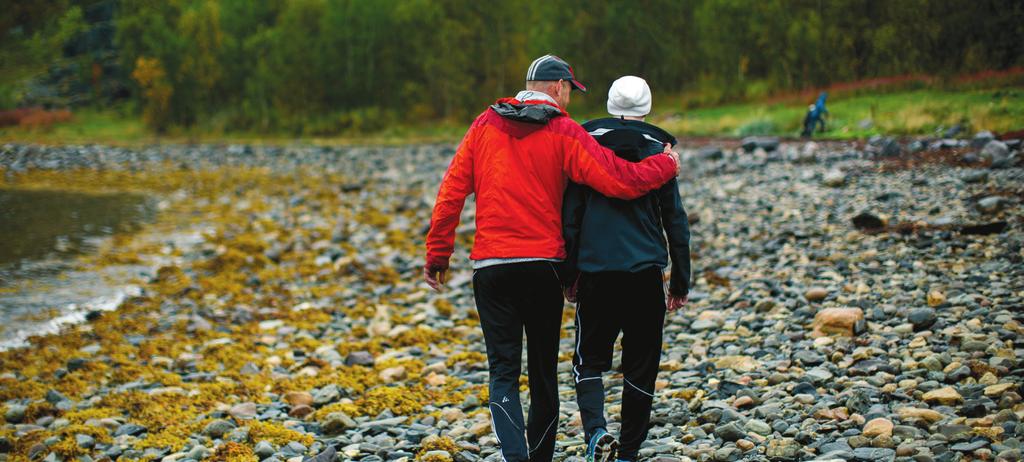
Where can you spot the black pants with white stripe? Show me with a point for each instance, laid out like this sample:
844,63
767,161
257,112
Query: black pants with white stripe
610,303
513,298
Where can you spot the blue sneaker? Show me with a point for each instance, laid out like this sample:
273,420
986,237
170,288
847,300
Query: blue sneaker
602,447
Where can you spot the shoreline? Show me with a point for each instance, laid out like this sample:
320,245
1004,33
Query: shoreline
114,280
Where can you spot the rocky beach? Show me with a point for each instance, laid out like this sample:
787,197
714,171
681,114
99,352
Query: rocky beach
858,301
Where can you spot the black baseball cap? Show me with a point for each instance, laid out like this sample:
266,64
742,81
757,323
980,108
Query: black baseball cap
551,68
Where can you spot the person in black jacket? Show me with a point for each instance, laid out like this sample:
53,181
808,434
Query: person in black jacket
616,254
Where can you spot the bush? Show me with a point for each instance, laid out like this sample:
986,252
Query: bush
355,121
758,127
156,92
44,119
34,118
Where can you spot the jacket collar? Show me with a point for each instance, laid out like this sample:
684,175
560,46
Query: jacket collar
598,127
532,107
530,95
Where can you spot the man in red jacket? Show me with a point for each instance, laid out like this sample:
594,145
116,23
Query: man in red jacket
517,158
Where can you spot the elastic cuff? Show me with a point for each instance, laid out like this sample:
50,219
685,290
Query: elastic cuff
437,263
677,292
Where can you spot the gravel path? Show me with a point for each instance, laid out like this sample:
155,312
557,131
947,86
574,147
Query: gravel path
853,301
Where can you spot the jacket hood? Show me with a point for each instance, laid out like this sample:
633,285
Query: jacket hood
529,111
521,118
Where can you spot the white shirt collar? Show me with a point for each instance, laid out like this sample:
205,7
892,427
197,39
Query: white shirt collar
530,94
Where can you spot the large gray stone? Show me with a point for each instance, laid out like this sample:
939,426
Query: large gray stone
218,428
730,431
874,454
922,318
995,151
264,449
982,138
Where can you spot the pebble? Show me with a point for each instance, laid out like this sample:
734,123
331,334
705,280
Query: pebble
393,374
54,396
922,318
982,138
995,151
804,398
730,431
328,455
878,427
816,294
737,363
238,435
834,178
300,411
337,422
15,413
974,176
726,454
945,395
264,449
295,449
911,413
969,446
758,426
809,357
783,449
243,411
868,222
326,395
84,441
874,454
129,429
359,358
991,204
743,401
837,321
819,374
296,398
218,428
998,389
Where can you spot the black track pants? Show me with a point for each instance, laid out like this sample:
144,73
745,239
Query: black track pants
513,298
609,303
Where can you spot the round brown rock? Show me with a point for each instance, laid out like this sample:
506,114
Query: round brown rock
816,294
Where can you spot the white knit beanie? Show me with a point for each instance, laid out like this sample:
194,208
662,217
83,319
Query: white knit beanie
629,96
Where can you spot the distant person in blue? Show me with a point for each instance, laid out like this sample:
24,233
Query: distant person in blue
815,116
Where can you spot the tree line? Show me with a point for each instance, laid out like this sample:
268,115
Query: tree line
330,66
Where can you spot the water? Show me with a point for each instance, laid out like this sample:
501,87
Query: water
41,231
37,225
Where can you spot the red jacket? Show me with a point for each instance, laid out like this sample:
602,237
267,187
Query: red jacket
517,157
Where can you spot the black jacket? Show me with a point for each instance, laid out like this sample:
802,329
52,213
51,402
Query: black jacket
605,234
